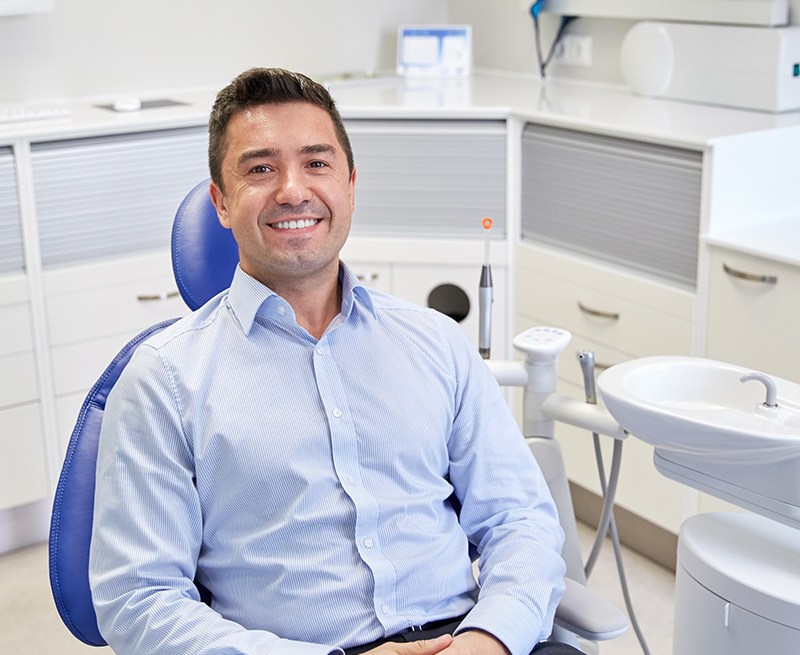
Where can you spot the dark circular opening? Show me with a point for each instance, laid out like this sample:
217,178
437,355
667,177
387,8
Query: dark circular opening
450,300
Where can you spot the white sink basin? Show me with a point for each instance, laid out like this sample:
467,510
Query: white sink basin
700,407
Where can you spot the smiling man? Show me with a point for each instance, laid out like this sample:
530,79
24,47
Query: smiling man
322,458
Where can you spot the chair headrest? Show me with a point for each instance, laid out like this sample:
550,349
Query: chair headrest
204,254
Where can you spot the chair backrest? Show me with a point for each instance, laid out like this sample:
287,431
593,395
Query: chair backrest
204,254
73,507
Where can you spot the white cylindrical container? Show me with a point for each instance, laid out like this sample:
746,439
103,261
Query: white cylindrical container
737,586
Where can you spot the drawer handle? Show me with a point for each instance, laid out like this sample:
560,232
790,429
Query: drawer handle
367,277
751,277
164,295
612,316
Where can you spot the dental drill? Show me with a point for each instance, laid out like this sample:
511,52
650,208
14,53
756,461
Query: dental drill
485,298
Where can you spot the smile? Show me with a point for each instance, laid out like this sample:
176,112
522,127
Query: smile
295,225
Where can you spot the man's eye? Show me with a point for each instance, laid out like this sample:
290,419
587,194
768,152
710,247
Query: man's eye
318,164
261,168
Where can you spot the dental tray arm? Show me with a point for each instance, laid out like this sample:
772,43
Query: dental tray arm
554,406
580,414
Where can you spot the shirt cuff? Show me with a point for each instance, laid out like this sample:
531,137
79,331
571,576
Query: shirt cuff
510,621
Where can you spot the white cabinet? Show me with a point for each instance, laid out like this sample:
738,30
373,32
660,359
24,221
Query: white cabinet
618,315
23,465
92,311
753,317
754,313
609,251
104,210
23,462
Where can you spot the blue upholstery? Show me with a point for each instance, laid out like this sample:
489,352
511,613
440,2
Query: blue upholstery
71,521
204,254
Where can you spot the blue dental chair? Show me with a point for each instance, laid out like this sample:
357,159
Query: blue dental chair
204,258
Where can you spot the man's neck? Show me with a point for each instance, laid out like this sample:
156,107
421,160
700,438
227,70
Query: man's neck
315,304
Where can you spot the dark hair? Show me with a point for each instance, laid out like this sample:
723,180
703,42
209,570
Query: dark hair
263,86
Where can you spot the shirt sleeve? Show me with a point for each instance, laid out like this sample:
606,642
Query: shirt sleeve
507,511
147,531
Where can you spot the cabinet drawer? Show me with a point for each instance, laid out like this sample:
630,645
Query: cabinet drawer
16,329
115,298
23,473
750,322
76,366
373,275
18,383
453,290
629,315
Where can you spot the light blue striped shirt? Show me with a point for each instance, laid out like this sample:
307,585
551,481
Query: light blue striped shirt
306,483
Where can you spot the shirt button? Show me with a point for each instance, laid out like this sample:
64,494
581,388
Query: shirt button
385,608
319,350
337,412
281,310
368,542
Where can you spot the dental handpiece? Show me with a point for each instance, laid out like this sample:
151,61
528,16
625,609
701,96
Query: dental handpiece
586,358
485,299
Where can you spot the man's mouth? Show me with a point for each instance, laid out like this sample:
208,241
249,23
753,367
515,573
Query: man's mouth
295,224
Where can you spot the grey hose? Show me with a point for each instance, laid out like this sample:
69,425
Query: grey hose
607,522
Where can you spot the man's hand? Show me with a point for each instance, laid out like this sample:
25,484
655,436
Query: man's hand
476,642
421,647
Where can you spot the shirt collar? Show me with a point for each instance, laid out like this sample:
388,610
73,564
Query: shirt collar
247,296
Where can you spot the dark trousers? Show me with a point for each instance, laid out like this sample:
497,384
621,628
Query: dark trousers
438,628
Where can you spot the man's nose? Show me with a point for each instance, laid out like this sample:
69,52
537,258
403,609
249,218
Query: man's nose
292,188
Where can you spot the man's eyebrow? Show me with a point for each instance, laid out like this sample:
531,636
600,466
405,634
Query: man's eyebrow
318,149
260,153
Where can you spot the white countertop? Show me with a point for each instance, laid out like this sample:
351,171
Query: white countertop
599,109
777,240
486,95
595,108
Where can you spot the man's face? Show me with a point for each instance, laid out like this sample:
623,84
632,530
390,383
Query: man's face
289,194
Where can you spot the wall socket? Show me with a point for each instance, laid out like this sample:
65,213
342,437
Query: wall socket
574,50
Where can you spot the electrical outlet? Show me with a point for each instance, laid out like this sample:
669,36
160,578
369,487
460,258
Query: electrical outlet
574,50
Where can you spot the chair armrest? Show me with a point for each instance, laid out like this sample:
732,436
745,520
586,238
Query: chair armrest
588,614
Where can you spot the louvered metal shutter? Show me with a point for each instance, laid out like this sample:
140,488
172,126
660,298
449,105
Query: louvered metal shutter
113,195
622,201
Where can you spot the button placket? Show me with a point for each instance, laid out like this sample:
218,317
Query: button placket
346,462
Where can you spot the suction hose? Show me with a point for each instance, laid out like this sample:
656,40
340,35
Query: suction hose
607,523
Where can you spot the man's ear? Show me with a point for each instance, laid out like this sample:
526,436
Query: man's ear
353,190
218,198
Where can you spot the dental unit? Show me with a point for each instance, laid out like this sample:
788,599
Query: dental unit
716,427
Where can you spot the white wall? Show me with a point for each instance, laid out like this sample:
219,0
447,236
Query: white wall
503,38
91,47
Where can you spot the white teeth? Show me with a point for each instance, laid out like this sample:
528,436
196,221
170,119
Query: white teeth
295,225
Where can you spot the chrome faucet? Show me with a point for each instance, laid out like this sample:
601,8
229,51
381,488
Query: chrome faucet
772,392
